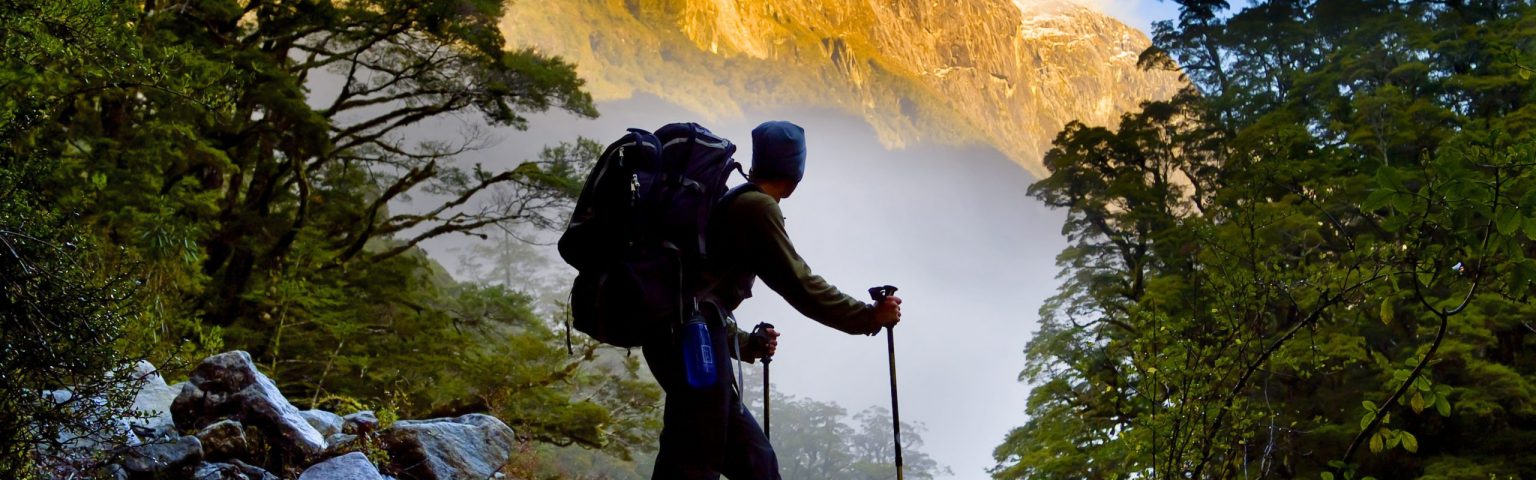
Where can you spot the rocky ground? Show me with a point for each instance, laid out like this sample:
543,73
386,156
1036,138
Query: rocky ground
230,422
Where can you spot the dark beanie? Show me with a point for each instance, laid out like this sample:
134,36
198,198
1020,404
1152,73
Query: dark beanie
778,151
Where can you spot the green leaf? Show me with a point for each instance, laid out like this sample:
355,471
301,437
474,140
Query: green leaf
1327,475
1403,203
1530,228
1508,221
1377,443
1421,383
1365,420
1386,311
1417,402
1377,199
1387,178
1369,405
1410,443
1392,441
1426,278
1443,406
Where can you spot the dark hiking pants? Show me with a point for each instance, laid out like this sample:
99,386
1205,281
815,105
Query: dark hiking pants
706,432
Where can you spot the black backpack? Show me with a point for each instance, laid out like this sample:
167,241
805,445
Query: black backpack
637,234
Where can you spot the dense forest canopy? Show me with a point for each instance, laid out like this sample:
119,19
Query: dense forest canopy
1315,262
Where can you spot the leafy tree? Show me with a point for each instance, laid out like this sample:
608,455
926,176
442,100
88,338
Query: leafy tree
1292,268
249,164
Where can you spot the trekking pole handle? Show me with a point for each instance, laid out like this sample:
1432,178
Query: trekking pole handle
767,359
879,293
761,327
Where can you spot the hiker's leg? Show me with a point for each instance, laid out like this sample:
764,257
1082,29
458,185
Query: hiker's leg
684,453
748,455
695,420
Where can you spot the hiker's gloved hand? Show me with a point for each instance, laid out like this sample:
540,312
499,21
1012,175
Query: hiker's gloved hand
763,343
888,312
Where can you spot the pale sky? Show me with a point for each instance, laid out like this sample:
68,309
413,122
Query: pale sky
1136,13
953,228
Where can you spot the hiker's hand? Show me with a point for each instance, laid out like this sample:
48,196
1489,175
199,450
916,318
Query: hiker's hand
762,343
772,343
888,312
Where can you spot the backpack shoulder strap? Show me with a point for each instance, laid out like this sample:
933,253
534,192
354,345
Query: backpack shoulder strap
737,191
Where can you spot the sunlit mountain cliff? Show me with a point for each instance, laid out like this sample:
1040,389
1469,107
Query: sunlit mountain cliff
1005,73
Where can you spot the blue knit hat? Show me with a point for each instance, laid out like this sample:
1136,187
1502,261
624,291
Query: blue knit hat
778,151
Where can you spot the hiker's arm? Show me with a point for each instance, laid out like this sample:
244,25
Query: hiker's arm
780,266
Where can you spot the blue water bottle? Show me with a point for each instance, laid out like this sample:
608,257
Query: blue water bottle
698,353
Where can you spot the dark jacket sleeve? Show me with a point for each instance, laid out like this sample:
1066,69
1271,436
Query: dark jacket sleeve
774,260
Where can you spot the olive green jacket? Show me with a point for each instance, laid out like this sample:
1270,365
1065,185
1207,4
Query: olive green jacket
748,241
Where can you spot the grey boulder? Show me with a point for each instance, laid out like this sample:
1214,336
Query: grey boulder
326,423
252,472
473,446
228,385
152,402
162,455
340,443
360,423
352,466
218,471
235,470
223,440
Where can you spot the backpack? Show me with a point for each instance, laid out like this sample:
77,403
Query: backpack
637,234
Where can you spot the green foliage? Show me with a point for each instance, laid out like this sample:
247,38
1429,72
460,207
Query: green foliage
1312,263
60,319
251,166
62,309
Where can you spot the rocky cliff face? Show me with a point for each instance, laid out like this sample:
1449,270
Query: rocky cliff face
1001,72
956,71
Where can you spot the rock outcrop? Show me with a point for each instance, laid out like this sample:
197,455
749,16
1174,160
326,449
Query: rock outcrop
1001,72
162,455
154,397
360,423
223,440
241,420
228,385
470,447
326,423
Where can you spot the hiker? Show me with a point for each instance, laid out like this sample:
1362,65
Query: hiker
708,431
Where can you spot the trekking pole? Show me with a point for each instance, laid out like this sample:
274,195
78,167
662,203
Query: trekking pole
879,294
767,418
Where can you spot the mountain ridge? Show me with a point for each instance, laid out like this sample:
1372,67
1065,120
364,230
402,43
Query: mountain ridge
950,71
